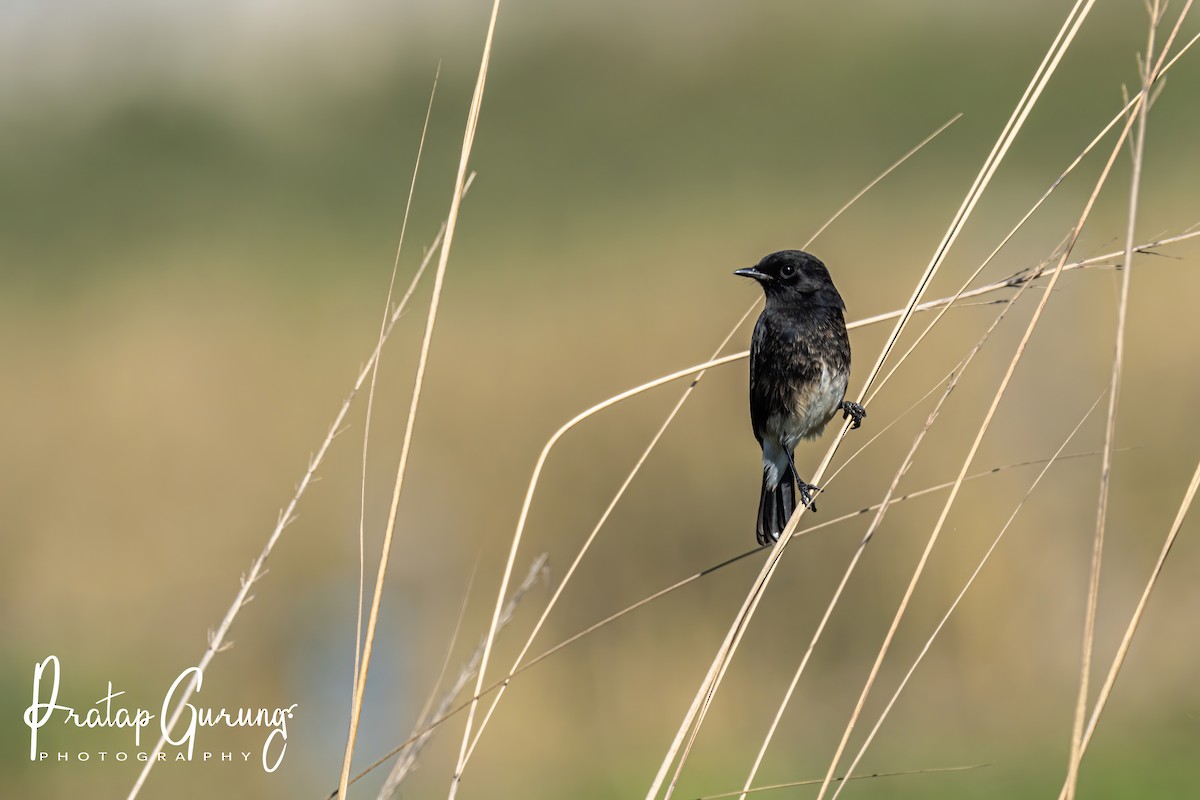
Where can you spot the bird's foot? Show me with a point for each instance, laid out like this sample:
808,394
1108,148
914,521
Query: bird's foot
852,410
807,494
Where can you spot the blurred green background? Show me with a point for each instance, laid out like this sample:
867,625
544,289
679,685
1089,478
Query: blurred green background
199,207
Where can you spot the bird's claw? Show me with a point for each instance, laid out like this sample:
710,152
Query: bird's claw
854,410
807,494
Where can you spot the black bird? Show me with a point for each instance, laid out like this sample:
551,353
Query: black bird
799,368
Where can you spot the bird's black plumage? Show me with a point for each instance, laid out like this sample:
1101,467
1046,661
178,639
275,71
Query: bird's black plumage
799,369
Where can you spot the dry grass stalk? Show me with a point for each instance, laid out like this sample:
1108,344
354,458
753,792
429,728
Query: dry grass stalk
383,327
1138,143
815,781
423,360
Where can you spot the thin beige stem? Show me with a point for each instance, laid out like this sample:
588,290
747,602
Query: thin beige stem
423,361
383,328
1093,596
815,781
472,121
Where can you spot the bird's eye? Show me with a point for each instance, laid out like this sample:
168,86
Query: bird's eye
787,271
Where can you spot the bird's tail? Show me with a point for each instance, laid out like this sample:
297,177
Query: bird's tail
775,507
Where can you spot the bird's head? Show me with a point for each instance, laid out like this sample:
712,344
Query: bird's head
794,276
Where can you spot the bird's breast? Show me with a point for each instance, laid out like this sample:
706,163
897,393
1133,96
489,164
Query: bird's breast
813,403
800,364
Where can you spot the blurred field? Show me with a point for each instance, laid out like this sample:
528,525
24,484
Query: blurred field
199,208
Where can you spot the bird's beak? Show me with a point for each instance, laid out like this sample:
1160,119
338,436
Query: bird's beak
751,272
